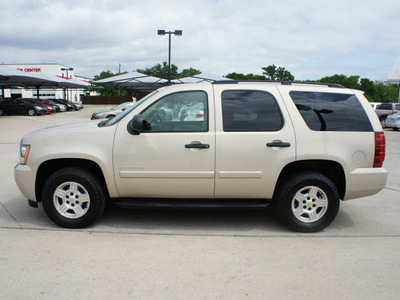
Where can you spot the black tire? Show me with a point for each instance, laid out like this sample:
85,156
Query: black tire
383,122
307,202
73,197
31,112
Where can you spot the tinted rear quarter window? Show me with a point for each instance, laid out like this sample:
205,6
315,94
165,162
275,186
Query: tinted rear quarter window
331,111
385,106
250,110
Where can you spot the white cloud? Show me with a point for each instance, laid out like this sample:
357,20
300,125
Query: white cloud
310,38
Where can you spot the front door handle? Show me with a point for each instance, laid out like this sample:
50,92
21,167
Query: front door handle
197,146
279,144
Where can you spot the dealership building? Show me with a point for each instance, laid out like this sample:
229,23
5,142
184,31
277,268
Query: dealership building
61,71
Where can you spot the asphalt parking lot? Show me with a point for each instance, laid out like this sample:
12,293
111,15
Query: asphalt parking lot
167,254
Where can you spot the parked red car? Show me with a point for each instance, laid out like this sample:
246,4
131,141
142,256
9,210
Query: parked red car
50,108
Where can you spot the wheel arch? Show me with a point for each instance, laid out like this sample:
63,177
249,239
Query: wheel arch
331,169
49,167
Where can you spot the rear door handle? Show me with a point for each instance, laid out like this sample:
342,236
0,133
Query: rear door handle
279,144
197,146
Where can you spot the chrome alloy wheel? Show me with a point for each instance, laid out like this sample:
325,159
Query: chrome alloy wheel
309,204
71,200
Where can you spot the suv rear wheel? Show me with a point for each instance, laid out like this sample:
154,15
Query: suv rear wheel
308,202
73,197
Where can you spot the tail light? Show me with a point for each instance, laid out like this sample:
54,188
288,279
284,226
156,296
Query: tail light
380,149
199,116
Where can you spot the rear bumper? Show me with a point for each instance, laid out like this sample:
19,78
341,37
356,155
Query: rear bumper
364,182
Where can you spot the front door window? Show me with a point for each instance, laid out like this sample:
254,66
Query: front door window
178,112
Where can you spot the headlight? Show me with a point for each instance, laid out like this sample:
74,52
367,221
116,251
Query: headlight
24,152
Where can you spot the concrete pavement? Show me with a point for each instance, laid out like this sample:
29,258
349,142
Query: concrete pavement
167,254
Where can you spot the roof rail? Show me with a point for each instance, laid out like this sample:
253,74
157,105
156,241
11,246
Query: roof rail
333,85
225,82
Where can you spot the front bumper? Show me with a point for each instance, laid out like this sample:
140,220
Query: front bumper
393,124
25,178
41,111
97,116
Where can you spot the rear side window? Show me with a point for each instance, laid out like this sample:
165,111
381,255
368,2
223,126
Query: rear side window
385,106
331,111
248,110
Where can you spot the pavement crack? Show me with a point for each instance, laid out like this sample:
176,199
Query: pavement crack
12,217
392,189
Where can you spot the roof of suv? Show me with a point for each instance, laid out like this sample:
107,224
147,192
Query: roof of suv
278,82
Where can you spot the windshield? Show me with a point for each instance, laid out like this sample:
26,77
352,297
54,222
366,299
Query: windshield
116,119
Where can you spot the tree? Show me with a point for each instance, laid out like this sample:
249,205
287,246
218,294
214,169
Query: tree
105,74
272,72
241,76
385,93
376,91
351,82
161,71
367,86
109,89
189,72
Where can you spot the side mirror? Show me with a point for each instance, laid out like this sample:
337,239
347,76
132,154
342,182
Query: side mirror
136,124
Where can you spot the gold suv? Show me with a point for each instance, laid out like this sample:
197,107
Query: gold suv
302,147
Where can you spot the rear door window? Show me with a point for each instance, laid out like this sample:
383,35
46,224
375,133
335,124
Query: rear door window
331,111
250,110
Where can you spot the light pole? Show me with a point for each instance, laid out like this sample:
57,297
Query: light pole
65,89
177,33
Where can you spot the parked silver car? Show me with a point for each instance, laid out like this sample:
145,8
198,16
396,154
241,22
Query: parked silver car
112,112
77,104
393,121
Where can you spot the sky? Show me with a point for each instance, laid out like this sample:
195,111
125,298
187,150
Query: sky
310,38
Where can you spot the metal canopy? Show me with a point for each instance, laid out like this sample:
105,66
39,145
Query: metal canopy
202,77
12,78
143,82
394,77
134,80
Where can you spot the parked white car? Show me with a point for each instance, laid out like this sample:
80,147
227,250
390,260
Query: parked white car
301,146
111,112
193,112
393,121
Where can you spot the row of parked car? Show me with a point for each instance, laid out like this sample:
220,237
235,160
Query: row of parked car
34,107
388,114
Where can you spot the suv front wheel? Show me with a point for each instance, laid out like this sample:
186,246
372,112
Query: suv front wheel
308,202
73,197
